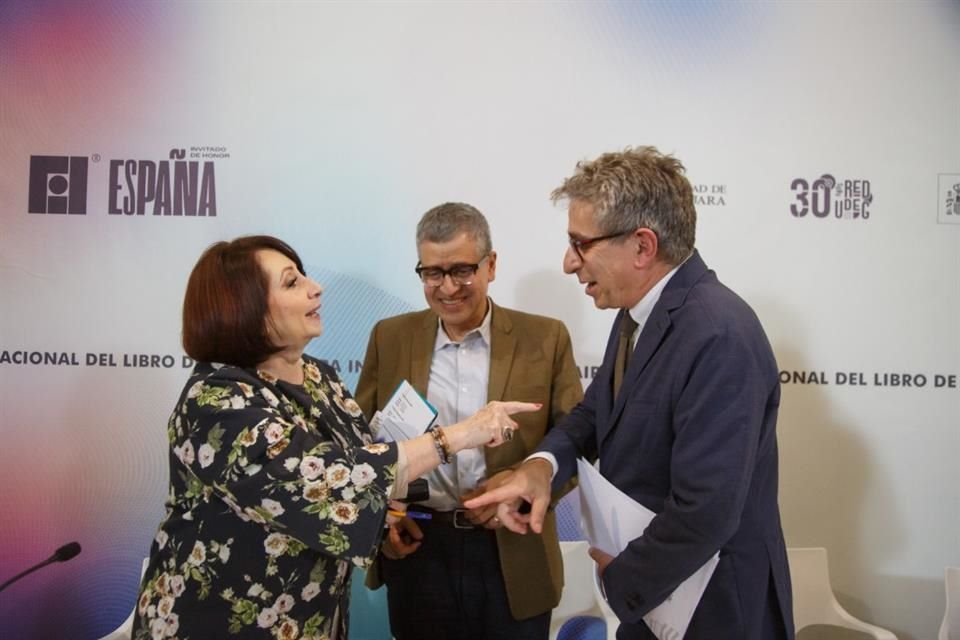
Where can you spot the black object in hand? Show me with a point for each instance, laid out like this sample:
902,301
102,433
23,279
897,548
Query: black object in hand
417,491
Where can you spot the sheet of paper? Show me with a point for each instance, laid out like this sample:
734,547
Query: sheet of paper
406,415
611,519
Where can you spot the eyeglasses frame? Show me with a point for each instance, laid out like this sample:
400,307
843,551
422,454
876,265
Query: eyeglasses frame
579,246
449,272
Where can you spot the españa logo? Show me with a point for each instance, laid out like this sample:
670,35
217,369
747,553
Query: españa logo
173,187
176,186
58,184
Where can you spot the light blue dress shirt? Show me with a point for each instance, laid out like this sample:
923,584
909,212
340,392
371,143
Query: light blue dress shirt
457,388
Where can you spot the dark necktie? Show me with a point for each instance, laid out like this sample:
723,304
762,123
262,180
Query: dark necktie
627,326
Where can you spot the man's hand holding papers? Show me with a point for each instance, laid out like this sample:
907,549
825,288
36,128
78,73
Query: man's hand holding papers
610,520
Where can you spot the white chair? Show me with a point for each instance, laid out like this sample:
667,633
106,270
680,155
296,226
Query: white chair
813,598
125,629
581,596
950,627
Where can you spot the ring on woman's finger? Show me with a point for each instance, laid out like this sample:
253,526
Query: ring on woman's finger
506,433
495,520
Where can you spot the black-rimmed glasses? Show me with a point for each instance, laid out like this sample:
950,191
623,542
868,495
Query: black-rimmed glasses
461,274
579,246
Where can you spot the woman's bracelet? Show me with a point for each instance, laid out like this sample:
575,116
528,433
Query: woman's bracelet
442,446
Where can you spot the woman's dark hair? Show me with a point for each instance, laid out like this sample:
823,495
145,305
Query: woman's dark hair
226,304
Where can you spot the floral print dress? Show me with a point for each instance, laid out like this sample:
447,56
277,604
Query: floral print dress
276,491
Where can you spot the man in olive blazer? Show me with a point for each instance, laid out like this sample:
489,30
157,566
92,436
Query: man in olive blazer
530,359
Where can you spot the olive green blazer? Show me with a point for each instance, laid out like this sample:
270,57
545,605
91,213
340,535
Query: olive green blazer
531,359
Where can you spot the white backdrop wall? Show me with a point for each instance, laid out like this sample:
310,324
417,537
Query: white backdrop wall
334,126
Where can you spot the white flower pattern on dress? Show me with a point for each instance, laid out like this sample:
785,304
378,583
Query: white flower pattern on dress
311,467
337,475
362,475
266,618
344,513
205,455
259,464
284,603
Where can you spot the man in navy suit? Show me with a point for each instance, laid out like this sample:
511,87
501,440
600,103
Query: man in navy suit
682,412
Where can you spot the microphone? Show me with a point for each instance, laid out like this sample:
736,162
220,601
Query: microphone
64,553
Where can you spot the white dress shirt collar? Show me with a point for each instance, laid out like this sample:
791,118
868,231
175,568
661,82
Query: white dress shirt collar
641,311
484,330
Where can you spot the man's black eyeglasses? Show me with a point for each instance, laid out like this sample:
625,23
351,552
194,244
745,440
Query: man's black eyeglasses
579,246
461,274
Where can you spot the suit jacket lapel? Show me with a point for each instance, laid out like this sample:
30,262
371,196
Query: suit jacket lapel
502,345
421,352
655,329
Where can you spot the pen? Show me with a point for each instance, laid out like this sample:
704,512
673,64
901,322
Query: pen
416,515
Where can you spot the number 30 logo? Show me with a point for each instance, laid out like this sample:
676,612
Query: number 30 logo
812,198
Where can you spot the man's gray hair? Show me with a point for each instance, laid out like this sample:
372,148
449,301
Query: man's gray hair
638,187
448,220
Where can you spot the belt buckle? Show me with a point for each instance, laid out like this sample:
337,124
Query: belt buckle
460,519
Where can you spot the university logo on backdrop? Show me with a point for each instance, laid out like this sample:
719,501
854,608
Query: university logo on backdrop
710,195
828,197
177,186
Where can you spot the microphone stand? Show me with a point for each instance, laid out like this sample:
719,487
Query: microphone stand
62,554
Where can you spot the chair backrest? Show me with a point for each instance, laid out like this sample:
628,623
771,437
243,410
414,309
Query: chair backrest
950,627
581,597
813,598
812,595
577,598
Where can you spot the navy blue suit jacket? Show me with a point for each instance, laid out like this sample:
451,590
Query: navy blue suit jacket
692,437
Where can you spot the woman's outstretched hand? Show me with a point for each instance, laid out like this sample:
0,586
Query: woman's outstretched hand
490,426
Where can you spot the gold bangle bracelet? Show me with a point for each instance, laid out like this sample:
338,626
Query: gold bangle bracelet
441,444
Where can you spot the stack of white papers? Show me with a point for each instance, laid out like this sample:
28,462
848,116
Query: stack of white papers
406,415
610,520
